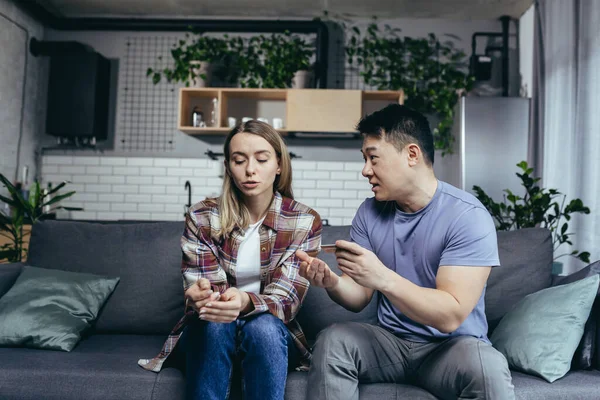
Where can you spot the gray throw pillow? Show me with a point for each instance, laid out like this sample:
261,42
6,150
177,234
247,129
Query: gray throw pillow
541,333
50,309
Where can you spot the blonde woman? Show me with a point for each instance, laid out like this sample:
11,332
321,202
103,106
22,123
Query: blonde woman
240,272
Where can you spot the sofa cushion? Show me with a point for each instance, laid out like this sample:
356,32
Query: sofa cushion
146,256
51,309
318,310
101,367
297,383
585,356
525,268
8,275
577,385
541,333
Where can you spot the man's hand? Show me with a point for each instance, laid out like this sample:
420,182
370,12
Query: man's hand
361,265
228,308
316,271
199,294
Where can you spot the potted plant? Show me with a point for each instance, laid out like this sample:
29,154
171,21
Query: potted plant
431,73
244,61
539,207
195,59
273,61
17,225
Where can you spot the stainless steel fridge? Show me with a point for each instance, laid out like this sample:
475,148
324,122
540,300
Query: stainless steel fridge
491,138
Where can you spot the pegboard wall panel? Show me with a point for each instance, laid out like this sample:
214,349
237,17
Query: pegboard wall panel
148,112
148,121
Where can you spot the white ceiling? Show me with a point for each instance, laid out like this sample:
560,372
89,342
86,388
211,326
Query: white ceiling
257,9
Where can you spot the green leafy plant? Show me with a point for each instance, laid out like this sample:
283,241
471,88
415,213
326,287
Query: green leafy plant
431,73
270,61
194,48
26,212
539,207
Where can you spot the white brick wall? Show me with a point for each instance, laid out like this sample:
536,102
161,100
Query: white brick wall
136,188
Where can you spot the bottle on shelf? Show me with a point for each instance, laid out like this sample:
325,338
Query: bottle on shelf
213,112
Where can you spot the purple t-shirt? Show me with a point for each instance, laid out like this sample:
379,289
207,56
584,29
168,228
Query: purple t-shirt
454,229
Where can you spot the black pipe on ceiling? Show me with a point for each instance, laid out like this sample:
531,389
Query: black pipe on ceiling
202,25
505,27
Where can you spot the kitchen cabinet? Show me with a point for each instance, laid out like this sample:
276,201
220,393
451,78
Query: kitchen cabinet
301,110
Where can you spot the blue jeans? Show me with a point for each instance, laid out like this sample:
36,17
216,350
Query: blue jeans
261,344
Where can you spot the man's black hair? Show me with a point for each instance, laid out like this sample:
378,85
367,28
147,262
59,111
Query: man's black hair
400,125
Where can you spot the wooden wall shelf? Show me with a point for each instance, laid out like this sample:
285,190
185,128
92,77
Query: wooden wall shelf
302,110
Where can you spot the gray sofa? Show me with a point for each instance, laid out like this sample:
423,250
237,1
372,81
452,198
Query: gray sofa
148,301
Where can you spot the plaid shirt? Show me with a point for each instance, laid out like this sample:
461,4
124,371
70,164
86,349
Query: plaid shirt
287,227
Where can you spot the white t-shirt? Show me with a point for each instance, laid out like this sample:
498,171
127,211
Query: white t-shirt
247,269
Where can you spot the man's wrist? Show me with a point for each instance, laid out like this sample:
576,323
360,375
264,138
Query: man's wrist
386,282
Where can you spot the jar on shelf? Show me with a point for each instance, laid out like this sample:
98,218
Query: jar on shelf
198,118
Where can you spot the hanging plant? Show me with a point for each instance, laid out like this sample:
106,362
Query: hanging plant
430,72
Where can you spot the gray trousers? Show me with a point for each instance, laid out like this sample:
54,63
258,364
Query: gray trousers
458,368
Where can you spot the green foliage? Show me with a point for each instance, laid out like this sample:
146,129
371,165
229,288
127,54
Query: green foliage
268,61
195,47
539,207
431,73
25,212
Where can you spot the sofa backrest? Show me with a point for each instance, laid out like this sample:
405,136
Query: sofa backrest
525,267
146,256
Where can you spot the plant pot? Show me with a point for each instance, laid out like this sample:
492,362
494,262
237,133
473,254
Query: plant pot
302,79
198,68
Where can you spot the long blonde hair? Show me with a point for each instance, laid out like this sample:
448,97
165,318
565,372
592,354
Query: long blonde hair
232,209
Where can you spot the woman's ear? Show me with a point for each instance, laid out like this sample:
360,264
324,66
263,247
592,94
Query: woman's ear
226,167
278,166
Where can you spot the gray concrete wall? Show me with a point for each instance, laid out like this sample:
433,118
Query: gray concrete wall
22,91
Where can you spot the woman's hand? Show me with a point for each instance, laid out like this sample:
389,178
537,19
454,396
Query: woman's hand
228,307
199,294
316,271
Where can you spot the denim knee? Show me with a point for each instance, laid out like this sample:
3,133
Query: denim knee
264,330
199,335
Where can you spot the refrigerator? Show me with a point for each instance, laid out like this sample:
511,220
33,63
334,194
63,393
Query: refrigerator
491,137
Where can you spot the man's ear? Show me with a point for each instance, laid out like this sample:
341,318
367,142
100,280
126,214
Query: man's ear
414,154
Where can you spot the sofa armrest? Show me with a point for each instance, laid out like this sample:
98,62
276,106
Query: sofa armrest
587,354
8,275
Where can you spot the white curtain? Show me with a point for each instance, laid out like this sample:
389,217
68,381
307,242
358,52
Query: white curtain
571,113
